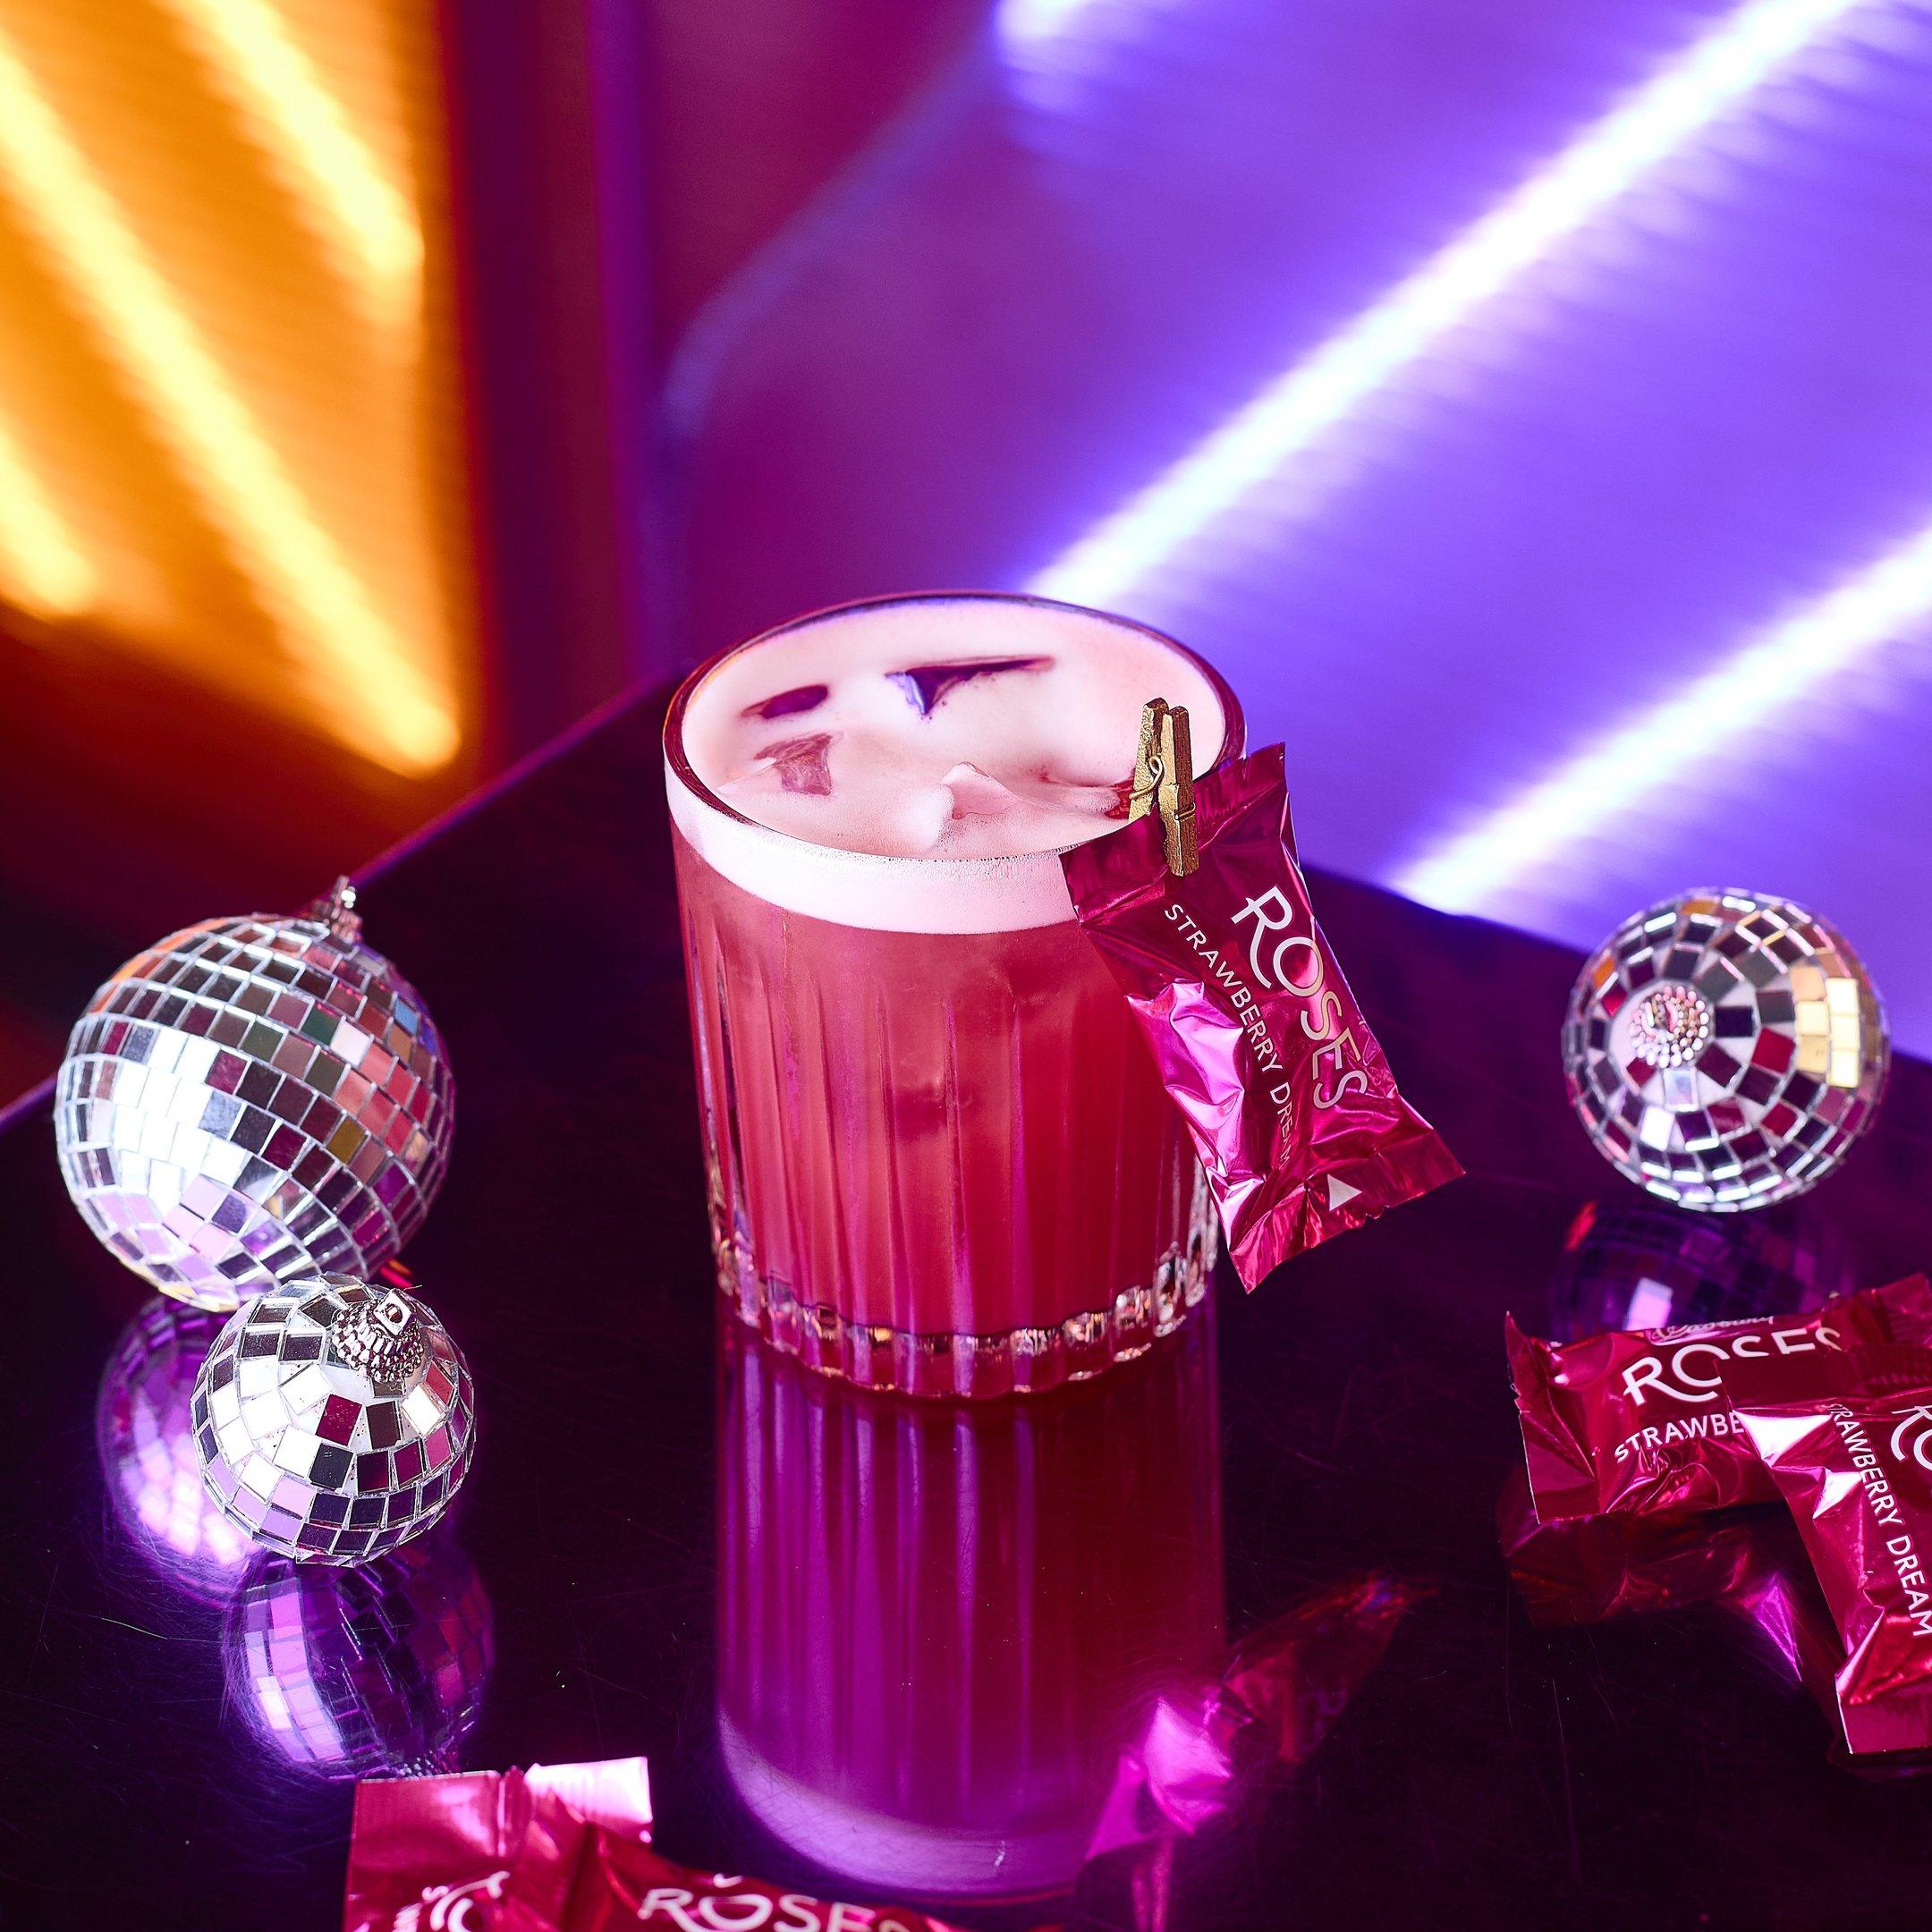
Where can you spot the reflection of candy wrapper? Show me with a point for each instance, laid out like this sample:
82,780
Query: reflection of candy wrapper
560,1847
1635,1421
1848,1440
1279,1694
1208,1746
1747,1561
1290,1102
1596,1567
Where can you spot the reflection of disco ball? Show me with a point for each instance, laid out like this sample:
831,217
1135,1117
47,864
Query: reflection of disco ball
362,1672
335,1420
1633,1263
147,1446
254,1100
1725,1049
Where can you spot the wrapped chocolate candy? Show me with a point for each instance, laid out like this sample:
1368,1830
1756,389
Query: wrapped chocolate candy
1203,917
558,1848
1847,1442
1636,1420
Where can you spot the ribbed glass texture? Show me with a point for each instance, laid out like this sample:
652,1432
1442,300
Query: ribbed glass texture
937,1161
939,1623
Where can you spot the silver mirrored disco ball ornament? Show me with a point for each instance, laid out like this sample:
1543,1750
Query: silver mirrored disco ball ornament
254,1100
333,1419
1725,1049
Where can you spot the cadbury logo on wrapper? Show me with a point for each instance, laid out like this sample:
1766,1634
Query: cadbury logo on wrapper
1636,1420
1286,1094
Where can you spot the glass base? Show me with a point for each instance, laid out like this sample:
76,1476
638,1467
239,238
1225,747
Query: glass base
1013,1361
895,1855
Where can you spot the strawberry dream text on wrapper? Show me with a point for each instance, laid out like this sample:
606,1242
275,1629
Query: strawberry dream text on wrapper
1286,1093
1847,1442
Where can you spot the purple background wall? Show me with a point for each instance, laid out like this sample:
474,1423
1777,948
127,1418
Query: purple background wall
1673,410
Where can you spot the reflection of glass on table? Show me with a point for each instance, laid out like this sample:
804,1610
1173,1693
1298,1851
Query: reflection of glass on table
940,1158
939,1624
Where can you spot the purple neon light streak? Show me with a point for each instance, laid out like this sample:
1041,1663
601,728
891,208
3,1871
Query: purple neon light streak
1320,391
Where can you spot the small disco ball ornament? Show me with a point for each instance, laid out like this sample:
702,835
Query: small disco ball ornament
372,1672
1725,1049
253,1101
333,1419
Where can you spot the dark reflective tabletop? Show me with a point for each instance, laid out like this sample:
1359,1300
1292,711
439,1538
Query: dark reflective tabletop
857,1637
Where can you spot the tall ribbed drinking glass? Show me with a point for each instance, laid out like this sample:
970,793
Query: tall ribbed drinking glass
940,1156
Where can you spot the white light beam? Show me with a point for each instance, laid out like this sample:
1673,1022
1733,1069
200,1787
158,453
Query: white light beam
1322,388
43,566
1695,724
338,180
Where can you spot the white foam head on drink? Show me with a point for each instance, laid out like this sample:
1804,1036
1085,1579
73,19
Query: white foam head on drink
919,765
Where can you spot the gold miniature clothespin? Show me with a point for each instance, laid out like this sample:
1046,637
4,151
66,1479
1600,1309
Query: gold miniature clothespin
1164,782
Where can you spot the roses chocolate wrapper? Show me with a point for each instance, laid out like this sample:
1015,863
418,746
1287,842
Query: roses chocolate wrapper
1287,1095
561,1848
1848,1441
1635,1421
488,1849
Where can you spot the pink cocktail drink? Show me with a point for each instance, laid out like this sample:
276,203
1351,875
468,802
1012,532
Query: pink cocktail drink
940,1156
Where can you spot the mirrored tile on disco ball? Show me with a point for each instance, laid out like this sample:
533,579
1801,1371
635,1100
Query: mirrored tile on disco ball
369,1672
1725,1049
144,1432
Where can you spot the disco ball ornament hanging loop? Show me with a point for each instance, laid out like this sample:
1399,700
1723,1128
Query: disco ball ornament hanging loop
253,1100
1725,1049
333,1420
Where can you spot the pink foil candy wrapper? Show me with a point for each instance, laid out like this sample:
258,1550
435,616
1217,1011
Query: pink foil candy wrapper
487,1850
1634,1422
1290,1102
1848,1441
1207,1747
559,1847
